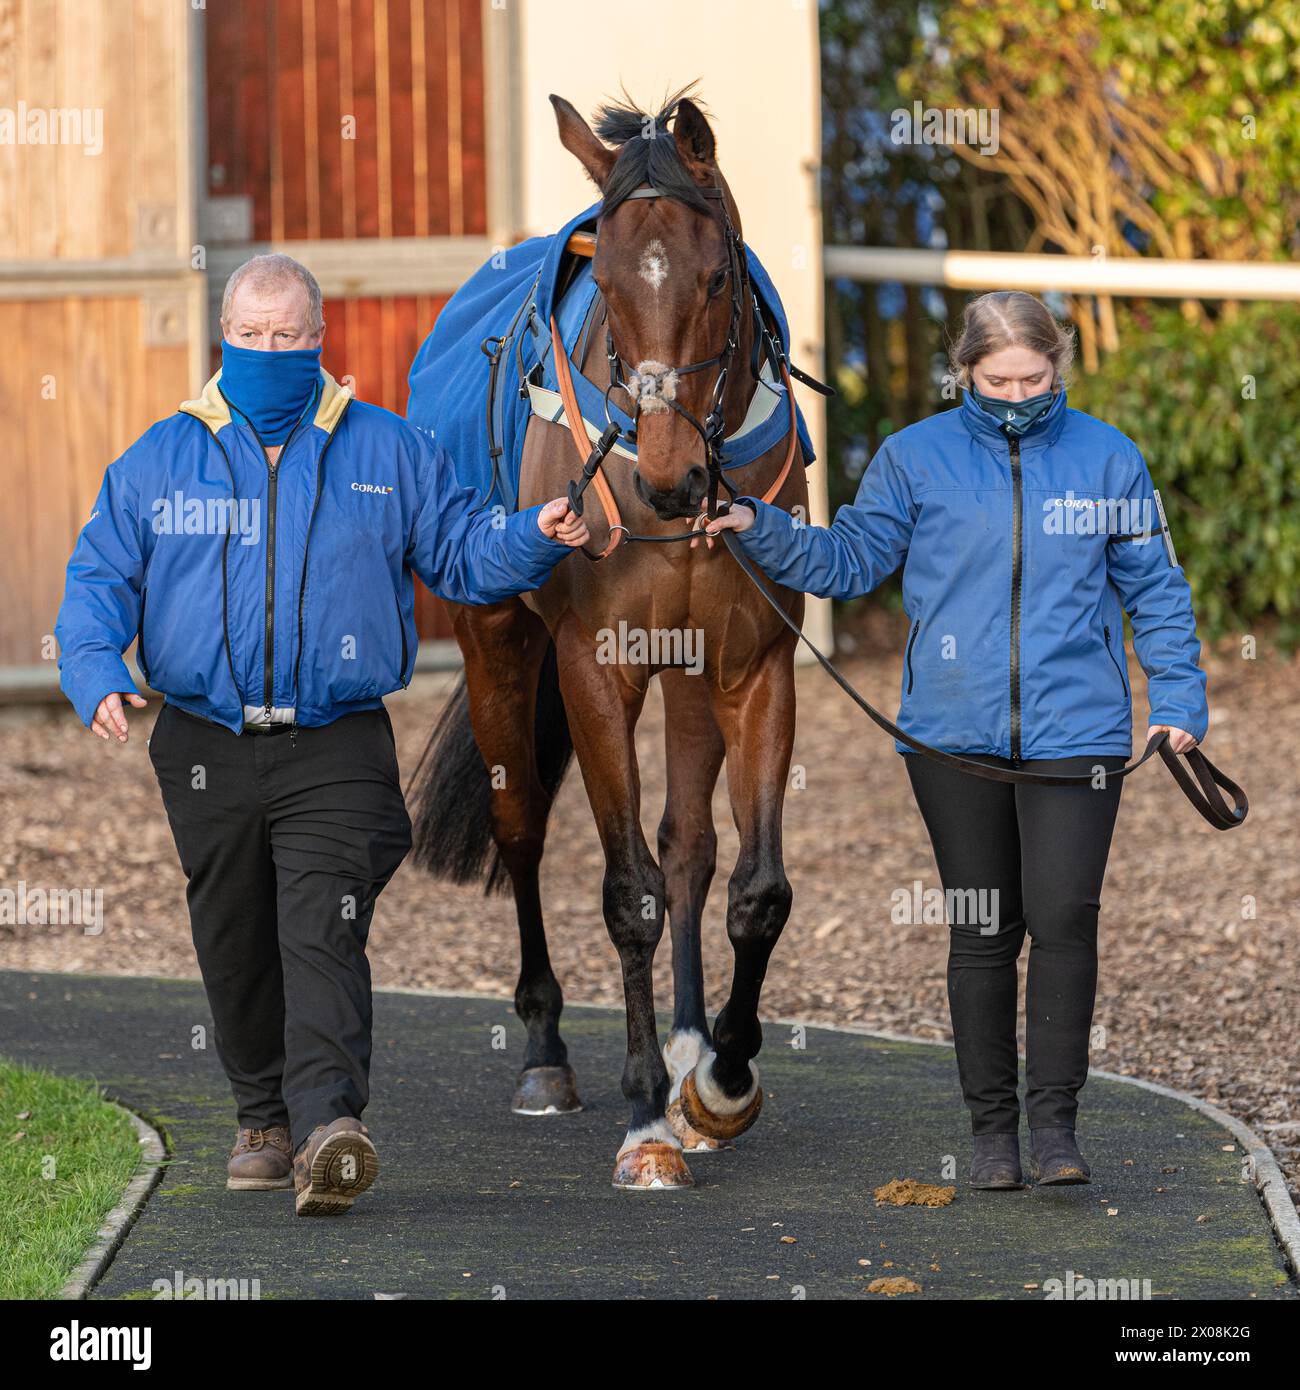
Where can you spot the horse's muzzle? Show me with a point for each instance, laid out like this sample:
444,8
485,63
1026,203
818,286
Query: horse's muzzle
683,499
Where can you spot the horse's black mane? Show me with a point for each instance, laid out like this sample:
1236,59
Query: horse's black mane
643,158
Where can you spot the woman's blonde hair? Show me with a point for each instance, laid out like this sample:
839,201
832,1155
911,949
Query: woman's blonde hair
1010,318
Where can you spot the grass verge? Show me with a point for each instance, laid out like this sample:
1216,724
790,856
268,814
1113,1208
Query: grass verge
66,1157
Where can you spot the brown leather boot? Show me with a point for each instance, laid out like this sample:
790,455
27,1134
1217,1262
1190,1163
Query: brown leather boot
262,1160
337,1163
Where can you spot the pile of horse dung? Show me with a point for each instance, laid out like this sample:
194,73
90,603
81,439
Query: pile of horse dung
907,1192
894,1284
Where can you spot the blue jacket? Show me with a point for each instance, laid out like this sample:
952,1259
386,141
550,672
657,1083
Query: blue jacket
294,591
1016,577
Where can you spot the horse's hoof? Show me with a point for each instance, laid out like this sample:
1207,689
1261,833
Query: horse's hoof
716,1118
652,1167
546,1091
691,1140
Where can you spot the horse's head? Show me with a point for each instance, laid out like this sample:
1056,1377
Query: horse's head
670,265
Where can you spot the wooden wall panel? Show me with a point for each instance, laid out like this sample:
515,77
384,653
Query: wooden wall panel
123,62
409,73
109,387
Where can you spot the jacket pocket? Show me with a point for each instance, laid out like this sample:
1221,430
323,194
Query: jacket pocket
401,627
1114,661
139,639
911,642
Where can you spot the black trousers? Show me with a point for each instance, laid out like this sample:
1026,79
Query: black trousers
1043,851
286,843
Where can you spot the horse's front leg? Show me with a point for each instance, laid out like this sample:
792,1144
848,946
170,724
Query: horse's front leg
603,705
721,1097
688,846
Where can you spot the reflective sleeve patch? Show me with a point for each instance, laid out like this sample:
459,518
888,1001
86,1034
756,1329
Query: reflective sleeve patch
1164,529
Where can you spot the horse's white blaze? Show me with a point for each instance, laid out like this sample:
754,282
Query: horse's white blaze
681,1052
715,1100
657,1133
654,264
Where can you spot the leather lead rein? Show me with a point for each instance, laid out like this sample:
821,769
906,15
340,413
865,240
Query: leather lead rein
1207,799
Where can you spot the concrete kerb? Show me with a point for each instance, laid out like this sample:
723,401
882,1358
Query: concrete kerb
119,1221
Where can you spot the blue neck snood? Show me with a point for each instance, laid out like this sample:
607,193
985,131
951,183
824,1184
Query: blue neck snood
270,389
1014,417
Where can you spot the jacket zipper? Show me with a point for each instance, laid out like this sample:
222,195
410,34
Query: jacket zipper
916,627
1115,662
268,664
273,474
306,550
1017,537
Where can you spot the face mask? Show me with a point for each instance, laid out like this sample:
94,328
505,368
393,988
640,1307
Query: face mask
1015,417
271,390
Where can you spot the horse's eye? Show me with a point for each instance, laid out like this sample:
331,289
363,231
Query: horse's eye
718,280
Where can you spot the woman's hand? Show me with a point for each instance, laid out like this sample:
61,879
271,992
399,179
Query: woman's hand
1179,739
737,517
559,523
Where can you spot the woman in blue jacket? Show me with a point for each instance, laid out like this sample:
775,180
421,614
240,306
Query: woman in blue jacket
1026,530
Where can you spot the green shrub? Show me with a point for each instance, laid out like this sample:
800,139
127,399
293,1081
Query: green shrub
1215,410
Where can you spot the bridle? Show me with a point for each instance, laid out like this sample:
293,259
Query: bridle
712,429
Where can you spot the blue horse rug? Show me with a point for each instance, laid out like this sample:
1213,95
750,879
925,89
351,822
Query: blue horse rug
466,378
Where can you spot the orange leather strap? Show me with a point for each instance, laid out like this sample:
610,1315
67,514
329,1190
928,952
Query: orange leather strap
578,433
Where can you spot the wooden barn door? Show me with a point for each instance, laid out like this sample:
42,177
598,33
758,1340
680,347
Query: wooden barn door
100,305
351,134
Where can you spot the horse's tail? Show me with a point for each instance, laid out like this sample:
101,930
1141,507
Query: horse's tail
451,791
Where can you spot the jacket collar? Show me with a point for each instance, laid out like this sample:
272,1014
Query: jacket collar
211,408
1044,431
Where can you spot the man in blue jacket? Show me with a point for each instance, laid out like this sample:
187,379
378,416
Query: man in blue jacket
259,545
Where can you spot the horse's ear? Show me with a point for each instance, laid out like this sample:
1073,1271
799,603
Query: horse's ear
693,134
580,140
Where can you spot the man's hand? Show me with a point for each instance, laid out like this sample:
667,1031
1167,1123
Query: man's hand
561,524
737,517
1179,739
110,719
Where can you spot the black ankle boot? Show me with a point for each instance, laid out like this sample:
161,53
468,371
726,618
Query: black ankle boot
1056,1160
996,1162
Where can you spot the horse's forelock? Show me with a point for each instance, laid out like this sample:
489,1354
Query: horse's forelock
645,158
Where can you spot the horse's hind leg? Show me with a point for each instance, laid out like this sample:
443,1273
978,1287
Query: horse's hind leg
688,847
506,648
722,1097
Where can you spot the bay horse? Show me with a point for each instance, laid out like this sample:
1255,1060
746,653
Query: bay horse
539,685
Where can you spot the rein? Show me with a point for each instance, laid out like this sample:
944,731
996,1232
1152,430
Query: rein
1206,799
